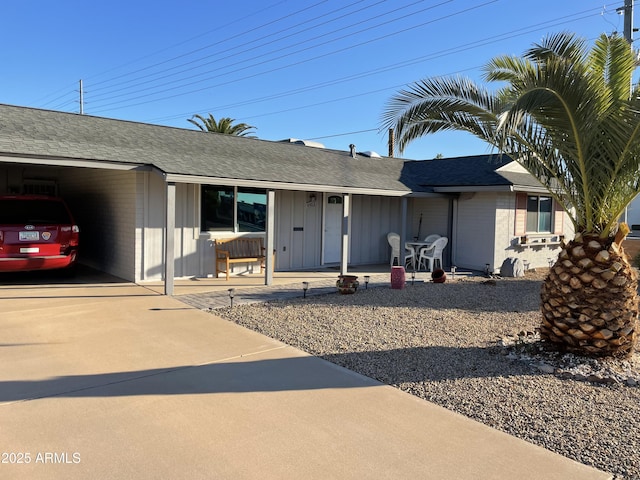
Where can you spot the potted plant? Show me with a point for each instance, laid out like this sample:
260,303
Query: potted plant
438,276
347,283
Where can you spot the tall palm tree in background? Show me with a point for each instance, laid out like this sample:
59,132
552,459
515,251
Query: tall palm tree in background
224,125
564,112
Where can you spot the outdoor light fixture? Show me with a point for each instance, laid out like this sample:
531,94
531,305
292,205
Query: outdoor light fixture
312,200
413,277
232,292
305,287
366,281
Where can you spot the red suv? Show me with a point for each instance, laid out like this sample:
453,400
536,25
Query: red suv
37,232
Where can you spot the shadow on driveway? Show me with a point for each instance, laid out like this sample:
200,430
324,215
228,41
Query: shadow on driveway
271,375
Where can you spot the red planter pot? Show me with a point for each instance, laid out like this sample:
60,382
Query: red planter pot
438,276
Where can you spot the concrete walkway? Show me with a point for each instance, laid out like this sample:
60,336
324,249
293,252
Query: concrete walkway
114,381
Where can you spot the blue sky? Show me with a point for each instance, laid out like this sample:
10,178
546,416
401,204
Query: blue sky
307,69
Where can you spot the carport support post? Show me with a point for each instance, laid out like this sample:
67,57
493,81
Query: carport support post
344,247
169,247
270,242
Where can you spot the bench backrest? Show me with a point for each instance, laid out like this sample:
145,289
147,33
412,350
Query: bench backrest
241,247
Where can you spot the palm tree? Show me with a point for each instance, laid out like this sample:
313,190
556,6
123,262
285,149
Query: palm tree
564,112
225,125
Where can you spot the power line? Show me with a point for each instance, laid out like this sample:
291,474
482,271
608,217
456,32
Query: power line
178,44
277,68
344,134
302,107
492,39
276,51
227,50
496,38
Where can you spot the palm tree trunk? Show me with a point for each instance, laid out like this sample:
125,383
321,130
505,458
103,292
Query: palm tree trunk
590,299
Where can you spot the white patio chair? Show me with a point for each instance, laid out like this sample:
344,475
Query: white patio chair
394,240
431,238
429,256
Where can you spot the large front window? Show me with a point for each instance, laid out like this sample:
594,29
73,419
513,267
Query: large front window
539,212
233,209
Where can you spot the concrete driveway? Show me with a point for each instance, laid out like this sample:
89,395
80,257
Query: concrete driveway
113,381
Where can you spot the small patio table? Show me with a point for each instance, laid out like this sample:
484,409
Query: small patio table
414,247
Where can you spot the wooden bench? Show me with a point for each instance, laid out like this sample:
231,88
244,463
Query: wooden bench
238,250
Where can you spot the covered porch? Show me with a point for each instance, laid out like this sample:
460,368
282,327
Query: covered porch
288,283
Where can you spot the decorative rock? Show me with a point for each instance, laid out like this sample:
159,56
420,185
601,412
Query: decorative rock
512,267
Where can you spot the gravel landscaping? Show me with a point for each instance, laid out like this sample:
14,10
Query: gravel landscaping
469,345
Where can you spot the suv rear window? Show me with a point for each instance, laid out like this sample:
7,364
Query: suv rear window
33,212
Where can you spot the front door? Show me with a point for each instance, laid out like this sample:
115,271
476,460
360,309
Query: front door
332,228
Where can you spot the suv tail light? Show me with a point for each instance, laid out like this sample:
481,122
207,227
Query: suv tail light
75,231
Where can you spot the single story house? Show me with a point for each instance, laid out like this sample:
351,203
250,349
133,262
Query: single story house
151,200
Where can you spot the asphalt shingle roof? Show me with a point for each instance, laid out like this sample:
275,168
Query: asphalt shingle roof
28,132
37,133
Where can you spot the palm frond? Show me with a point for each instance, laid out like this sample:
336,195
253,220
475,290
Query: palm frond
565,114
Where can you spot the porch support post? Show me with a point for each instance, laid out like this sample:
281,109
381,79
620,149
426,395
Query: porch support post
169,241
403,228
344,247
270,243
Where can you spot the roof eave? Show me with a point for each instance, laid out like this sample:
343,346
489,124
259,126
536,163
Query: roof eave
71,162
474,188
197,179
491,188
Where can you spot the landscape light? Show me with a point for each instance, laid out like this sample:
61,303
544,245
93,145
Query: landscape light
232,292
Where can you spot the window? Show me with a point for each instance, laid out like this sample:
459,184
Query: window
252,210
233,209
539,210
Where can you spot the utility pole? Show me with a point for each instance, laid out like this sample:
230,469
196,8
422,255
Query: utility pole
628,21
81,99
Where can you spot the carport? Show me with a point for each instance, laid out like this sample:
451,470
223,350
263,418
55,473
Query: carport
97,193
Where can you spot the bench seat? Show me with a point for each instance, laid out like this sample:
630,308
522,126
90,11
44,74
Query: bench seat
238,250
